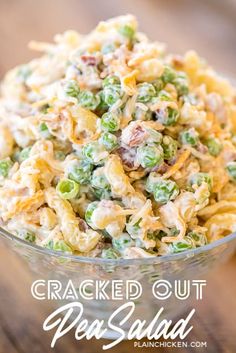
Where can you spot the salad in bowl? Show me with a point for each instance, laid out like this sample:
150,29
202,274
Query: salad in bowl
111,147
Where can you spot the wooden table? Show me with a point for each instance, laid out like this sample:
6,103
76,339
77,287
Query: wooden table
209,27
21,316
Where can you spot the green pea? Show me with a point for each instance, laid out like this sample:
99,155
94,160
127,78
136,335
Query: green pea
89,100
153,235
91,152
110,253
133,229
173,115
182,245
189,137
58,245
170,147
168,75
44,108
158,85
102,107
181,85
80,172
112,94
67,189
27,235
151,180
60,155
44,131
168,116
199,238
99,180
123,242
127,32
5,166
72,88
165,190
24,154
146,91
89,211
102,194
231,169
30,237
109,141
199,178
112,90
111,81
160,234
140,114
150,156
154,136
164,96
173,232
110,122
214,146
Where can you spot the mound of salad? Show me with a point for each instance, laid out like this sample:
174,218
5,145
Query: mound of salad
111,147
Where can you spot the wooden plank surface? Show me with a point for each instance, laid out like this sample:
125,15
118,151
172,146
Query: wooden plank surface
208,26
21,316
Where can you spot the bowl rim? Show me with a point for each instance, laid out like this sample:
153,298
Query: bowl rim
123,262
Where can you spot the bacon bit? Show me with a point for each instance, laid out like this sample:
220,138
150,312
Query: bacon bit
228,155
161,169
179,163
160,113
202,148
178,62
23,191
128,157
61,116
90,60
139,135
82,225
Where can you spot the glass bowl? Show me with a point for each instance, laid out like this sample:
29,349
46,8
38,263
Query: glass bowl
192,264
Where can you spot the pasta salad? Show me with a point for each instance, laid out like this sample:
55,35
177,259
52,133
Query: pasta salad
111,147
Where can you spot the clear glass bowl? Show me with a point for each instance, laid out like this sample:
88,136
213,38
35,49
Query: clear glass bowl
192,264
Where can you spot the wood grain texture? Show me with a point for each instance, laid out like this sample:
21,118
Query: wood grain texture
21,316
208,26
